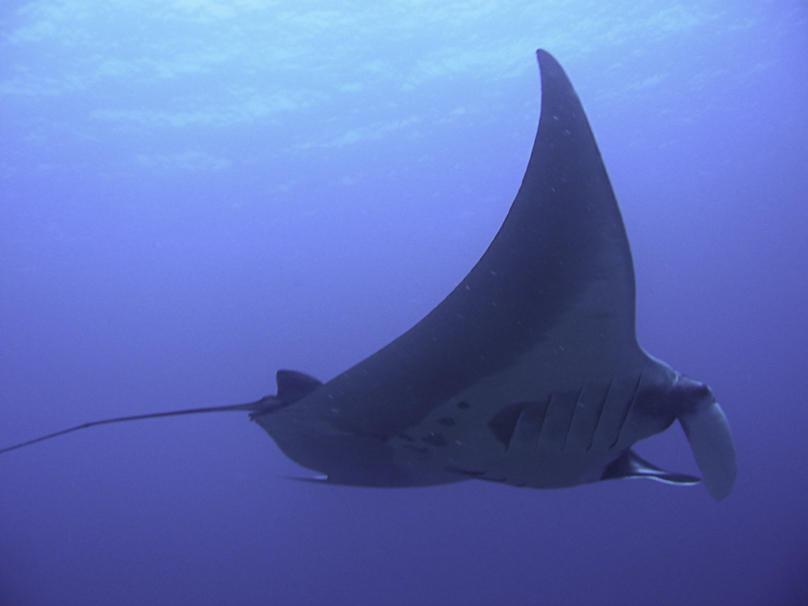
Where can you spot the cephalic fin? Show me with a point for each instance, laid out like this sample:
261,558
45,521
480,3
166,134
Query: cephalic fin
707,430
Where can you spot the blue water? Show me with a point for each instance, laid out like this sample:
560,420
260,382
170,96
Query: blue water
196,193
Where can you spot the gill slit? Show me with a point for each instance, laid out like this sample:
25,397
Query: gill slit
628,410
600,414
572,418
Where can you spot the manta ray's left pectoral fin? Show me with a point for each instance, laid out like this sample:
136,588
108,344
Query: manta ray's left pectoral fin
630,465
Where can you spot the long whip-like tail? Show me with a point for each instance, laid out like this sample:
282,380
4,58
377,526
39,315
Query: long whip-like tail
266,403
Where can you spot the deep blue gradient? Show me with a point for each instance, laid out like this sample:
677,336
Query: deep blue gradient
195,193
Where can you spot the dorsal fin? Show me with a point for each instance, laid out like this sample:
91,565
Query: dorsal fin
294,385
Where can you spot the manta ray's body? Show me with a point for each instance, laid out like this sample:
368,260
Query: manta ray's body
529,372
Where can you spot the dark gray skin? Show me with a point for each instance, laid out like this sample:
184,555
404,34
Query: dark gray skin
528,373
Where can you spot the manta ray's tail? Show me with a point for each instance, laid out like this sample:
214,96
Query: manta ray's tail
292,386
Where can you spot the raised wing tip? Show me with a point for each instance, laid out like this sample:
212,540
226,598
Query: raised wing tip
546,60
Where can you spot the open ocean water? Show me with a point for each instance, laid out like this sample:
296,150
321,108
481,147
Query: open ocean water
195,193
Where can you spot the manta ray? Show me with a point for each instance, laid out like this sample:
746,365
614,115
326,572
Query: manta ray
528,373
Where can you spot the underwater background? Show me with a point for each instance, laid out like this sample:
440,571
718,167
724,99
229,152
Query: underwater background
196,193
